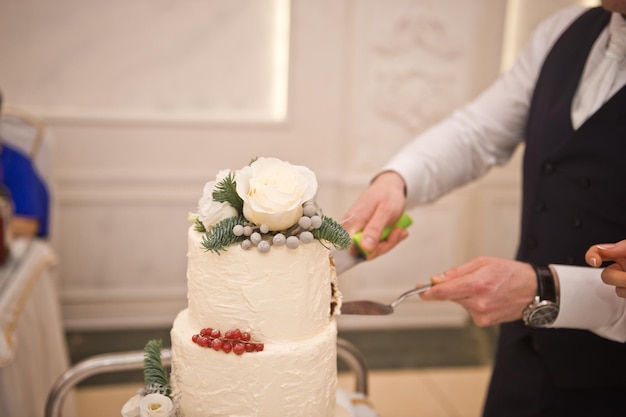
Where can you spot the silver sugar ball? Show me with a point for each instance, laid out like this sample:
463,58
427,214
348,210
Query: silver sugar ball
305,222
255,238
246,244
238,230
310,209
292,242
306,237
316,222
263,246
264,228
247,230
279,239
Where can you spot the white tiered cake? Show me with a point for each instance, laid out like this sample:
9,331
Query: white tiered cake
259,335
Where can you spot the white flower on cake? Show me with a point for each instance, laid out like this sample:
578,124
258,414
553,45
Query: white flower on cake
273,192
211,212
151,405
156,405
131,408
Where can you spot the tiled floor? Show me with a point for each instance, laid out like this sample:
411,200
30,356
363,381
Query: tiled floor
426,392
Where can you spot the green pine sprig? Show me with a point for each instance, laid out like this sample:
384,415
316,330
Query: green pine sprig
333,232
226,192
154,373
220,236
198,226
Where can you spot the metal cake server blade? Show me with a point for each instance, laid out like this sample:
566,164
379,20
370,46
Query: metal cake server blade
344,260
366,307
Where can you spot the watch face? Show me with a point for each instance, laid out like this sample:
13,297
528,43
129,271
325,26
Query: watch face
543,314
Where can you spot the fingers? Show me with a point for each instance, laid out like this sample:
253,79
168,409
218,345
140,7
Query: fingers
597,254
381,205
396,236
614,275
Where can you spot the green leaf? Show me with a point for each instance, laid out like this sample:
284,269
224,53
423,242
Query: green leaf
226,192
333,232
154,373
220,236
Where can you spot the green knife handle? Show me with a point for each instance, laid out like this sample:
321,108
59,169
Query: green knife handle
404,222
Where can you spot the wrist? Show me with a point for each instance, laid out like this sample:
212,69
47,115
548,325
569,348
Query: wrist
391,179
544,308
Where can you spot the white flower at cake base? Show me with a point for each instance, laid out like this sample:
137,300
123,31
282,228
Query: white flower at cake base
131,408
156,405
273,192
211,212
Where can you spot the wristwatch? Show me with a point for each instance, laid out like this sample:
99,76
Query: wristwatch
545,307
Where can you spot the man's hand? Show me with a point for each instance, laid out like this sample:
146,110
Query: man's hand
492,290
613,274
380,205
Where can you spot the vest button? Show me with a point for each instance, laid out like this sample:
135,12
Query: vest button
577,223
584,182
540,206
548,167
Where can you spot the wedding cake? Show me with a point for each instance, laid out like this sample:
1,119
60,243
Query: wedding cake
259,335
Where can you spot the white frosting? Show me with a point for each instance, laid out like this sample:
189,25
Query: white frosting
283,299
287,379
282,295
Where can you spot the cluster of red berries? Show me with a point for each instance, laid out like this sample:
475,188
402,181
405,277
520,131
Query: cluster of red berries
232,341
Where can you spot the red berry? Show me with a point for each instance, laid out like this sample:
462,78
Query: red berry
215,333
228,334
194,338
216,344
245,337
203,341
206,332
236,334
249,347
239,348
227,346
259,347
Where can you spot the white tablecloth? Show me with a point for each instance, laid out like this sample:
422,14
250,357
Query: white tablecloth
33,351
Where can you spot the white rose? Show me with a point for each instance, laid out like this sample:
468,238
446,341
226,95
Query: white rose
214,212
211,212
156,405
273,192
131,408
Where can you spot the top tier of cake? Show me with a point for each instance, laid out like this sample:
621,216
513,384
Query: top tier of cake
259,254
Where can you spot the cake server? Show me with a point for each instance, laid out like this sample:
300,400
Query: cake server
374,308
344,260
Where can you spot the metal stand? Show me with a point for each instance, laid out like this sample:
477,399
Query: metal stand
125,361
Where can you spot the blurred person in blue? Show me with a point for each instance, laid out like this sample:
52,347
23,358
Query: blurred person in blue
560,348
29,193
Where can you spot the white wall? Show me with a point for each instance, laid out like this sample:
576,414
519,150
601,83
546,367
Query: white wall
146,100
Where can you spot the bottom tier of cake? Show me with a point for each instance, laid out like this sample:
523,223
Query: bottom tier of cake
291,379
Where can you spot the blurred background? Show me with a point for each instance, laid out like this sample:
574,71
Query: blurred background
141,102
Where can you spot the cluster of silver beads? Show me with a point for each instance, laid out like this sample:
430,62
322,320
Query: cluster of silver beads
261,238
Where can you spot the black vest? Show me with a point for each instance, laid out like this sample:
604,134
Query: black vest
574,196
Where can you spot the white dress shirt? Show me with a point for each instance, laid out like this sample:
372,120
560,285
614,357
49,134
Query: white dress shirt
485,133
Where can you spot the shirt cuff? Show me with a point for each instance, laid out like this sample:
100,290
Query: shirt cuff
589,304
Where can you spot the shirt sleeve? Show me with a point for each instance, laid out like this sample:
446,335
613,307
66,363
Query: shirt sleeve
482,134
588,303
